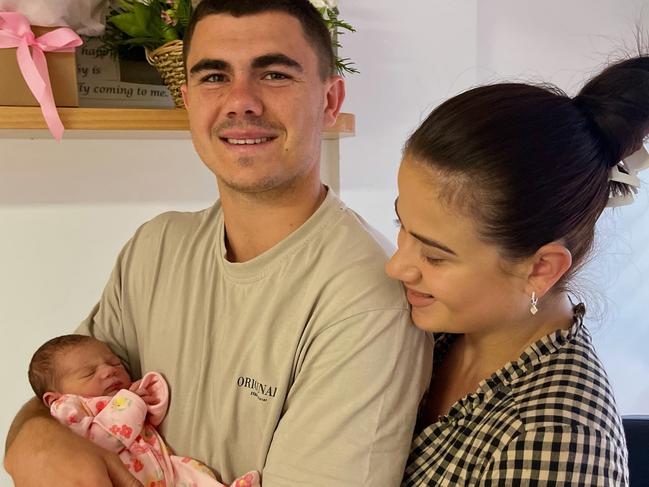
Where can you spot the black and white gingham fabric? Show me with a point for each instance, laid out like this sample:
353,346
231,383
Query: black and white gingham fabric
548,419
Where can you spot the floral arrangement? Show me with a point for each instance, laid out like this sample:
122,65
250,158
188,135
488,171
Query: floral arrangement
133,24
329,11
153,23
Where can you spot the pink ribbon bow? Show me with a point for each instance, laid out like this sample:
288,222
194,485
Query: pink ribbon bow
15,31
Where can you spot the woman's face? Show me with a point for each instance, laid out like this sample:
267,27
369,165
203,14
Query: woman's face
454,281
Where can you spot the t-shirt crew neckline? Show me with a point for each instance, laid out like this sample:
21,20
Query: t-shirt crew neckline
257,268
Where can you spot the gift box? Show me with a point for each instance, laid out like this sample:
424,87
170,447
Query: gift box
62,70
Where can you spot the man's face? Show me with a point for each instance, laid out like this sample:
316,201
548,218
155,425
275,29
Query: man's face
257,105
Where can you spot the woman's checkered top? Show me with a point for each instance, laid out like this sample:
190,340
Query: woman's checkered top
548,419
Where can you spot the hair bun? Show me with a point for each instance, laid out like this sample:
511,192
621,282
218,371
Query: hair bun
616,102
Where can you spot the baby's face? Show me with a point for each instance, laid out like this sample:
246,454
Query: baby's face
90,369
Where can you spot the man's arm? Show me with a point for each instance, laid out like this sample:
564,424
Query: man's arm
38,448
33,409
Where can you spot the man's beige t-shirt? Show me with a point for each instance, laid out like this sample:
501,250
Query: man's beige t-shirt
301,363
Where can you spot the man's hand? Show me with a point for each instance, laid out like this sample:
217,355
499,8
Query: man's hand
45,451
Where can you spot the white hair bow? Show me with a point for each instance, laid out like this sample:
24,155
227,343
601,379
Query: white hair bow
626,172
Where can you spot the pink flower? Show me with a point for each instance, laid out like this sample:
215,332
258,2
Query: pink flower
167,17
126,431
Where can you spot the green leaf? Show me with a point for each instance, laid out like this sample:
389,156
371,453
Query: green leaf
345,26
146,15
128,23
168,32
345,65
184,13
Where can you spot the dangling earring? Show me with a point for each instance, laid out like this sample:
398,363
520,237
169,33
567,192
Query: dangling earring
533,302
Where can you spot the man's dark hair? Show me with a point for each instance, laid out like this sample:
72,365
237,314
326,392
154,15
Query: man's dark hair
42,370
313,25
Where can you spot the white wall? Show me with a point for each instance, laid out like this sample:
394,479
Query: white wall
555,41
65,210
412,54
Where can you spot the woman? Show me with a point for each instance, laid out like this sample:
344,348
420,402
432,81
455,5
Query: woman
499,192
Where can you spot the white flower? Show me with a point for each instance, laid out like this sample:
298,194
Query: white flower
324,3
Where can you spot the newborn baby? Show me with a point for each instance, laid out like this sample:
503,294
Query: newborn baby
88,389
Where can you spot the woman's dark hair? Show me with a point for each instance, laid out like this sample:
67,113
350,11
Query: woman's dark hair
42,367
530,164
314,27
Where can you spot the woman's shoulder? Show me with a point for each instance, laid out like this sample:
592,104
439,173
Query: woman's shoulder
563,402
567,386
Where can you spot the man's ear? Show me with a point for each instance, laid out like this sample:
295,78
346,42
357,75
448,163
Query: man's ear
548,265
49,397
334,97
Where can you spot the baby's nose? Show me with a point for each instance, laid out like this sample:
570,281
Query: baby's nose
108,370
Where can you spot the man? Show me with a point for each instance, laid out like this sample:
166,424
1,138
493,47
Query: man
286,348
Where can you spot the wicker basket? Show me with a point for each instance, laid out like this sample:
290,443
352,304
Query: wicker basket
168,60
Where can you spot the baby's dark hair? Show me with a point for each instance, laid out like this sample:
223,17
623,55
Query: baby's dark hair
42,371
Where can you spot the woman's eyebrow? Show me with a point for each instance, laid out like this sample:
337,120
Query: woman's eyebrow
425,240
